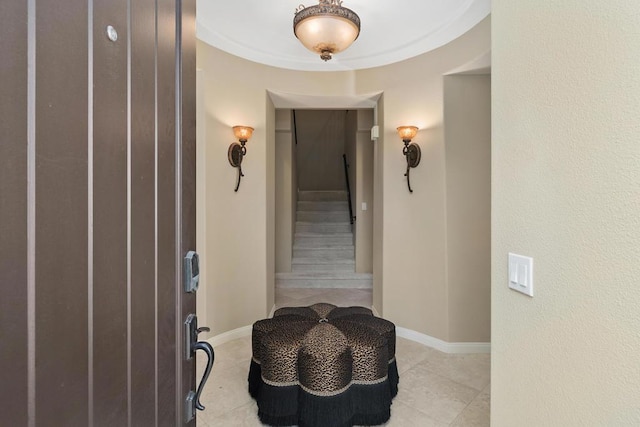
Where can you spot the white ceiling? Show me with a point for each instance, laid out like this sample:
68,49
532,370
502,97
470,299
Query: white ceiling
391,30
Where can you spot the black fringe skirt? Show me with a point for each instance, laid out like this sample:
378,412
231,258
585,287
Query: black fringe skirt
359,404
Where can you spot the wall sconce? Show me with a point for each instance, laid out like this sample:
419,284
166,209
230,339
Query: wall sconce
410,151
237,151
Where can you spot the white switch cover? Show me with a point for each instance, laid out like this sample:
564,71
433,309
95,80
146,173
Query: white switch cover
375,133
521,274
364,206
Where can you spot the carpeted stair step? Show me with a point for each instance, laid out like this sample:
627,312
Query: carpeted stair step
322,196
323,206
312,227
341,252
323,216
304,206
322,240
322,265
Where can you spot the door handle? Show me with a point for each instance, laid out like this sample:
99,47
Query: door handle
206,347
191,346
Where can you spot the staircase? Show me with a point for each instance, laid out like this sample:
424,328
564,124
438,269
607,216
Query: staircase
323,251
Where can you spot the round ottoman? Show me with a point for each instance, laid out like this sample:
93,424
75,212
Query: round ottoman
323,365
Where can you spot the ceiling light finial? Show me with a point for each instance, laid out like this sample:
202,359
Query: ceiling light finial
326,28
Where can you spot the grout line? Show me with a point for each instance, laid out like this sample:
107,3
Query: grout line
432,372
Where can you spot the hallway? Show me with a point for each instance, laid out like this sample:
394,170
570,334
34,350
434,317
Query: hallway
436,389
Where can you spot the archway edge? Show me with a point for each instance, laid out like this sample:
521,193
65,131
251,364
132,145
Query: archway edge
320,102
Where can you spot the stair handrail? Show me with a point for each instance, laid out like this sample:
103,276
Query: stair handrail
295,128
346,174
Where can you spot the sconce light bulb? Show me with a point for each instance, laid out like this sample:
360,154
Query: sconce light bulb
243,133
407,133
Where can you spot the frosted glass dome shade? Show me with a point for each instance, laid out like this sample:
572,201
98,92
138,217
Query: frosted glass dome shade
407,133
326,29
243,132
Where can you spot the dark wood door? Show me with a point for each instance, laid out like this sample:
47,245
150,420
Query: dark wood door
97,210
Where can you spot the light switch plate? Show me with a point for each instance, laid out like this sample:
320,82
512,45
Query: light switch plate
375,133
521,274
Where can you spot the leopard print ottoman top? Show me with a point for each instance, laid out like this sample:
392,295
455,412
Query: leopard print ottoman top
323,348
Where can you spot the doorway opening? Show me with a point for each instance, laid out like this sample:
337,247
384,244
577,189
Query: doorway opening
324,206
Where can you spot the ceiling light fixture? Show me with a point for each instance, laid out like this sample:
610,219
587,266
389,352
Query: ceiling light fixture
327,28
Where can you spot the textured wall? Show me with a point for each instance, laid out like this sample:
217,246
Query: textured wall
364,192
378,208
321,144
285,191
566,191
414,251
270,182
467,130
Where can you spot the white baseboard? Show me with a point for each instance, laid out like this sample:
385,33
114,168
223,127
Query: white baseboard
445,347
223,338
420,338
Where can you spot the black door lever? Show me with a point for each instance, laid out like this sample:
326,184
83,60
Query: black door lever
206,347
193,345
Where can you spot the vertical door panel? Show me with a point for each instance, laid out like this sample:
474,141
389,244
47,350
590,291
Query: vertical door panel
167,296
61,213
188,194
110,215
13,213
143,291
91,306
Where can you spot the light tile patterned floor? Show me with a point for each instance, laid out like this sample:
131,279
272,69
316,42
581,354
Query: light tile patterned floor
436,389
295,297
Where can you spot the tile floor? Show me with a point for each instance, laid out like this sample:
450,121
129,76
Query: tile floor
294,297
436,389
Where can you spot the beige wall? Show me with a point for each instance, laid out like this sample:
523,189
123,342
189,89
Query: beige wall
363,184
566,191
201,195
467,130
321,144
410,286
270,218
415,293
378,208
285,188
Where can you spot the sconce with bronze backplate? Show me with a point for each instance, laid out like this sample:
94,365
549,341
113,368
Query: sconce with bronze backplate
412,153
